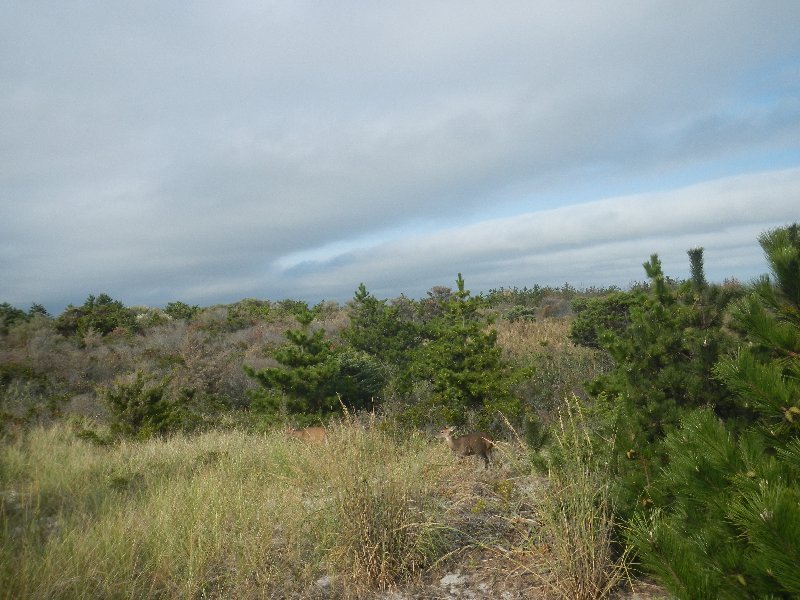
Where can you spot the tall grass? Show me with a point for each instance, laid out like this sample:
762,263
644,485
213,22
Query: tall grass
577,513
219,515
382,519
229,514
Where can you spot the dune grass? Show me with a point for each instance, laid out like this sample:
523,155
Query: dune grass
232,514
224,514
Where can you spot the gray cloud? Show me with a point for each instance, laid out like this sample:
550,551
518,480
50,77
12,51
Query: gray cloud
158,152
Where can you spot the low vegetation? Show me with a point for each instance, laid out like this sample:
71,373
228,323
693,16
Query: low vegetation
652,431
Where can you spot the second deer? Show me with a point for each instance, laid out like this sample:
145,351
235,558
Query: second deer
470,444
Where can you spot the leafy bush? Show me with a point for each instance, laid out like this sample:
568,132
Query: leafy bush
181,310
594,315
140,408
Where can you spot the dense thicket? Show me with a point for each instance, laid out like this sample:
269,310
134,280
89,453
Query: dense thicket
726,516
664,343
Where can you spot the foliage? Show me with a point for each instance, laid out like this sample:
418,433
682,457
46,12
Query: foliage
463,365
27,397
698,278
313,376
727,517
663,351
10,316
380,330
524,297
594,315
520,313
141,408
181,310
101,314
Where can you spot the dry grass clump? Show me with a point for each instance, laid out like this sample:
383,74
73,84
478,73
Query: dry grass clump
577,515
223,514
558,367
381,524
521,338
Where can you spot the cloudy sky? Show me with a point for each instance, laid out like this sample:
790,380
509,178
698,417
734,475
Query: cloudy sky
212,151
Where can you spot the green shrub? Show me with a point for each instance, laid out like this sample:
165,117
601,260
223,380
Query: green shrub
520,313
663,354
464,368
314,377
10,316
140,407
593,315
181,310
101,314
726,518
380,330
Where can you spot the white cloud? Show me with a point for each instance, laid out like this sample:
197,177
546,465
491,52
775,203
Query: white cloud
160,152
596,243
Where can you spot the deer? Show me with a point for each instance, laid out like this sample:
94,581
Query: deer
470,444
308,434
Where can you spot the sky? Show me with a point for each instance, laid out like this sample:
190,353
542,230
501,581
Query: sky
212,151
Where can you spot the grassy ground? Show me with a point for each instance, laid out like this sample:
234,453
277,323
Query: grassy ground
241,515
371,513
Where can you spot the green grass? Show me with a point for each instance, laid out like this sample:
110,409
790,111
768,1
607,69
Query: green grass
224,514
229,514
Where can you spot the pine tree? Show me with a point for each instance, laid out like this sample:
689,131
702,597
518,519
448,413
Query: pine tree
380,330
727,517
463,365
313,376
663,355
699,282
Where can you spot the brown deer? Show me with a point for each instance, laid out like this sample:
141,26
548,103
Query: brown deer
470,444
308,434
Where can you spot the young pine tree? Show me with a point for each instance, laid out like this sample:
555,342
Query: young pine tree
464,367
727,516
663,352
313,377
380,330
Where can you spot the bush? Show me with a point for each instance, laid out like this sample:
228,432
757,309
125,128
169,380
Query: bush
726,521
140,408
101,314
464,368
28,397
313,377
181,310
10,316
604,313
663,360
